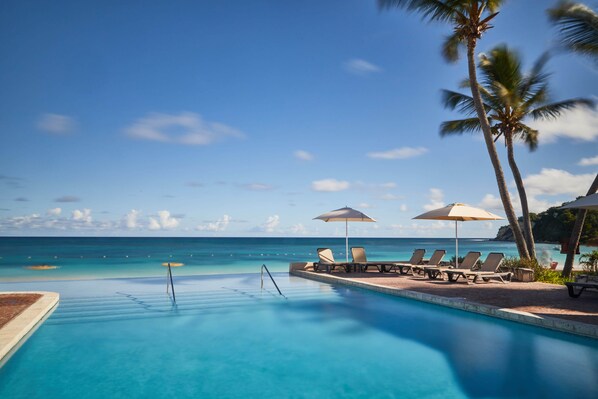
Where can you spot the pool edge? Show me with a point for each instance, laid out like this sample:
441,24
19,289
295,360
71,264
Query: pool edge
18,330
551,323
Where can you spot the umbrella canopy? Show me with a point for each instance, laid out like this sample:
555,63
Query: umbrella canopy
346,215
458,212
587,202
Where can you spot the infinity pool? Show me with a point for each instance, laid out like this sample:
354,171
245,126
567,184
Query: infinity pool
123,338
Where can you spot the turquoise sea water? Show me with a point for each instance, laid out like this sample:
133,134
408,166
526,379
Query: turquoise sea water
137,257
123,338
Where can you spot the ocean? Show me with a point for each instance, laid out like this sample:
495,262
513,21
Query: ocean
99,257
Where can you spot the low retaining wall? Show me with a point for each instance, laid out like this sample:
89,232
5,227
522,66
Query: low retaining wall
572,327
16,331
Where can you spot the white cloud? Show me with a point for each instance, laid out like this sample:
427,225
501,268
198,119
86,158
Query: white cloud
588,161
271,223
388,185
303,155
131,221
83,216
153,224
219,225
329,185
556,181
391,197
54,212
358,66
364,205
298,229
185,128
493,203
164,221
398,153
436,197
579,124
403,208
56,124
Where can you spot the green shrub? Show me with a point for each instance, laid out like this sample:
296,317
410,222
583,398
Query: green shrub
541,274
589,262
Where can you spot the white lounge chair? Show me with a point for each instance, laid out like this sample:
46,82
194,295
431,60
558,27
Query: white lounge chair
326,260
360,260
468,263
488,270
434,261
405,267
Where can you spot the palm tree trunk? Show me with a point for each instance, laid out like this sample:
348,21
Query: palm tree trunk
527,224
500,177
576,233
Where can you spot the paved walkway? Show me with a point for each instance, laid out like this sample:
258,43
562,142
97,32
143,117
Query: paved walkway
543,299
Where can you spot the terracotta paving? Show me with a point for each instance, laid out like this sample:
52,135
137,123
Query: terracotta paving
538,298
11,305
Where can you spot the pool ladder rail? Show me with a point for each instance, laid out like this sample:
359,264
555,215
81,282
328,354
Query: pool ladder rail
271,278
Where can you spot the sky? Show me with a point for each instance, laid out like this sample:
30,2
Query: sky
250,118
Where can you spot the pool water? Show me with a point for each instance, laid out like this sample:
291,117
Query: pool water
225,338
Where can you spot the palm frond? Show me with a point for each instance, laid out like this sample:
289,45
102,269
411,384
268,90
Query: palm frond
554,110
470,125
450,47
434,10
578,26
529,135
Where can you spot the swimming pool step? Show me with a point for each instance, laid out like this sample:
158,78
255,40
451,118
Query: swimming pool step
163,301
143,306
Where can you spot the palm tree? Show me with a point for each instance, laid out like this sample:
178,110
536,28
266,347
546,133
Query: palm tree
578,27
579,33
509,98
470,20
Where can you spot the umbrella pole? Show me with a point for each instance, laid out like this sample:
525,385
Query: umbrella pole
347,240
456,245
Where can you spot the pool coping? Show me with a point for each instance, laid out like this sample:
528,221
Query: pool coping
552,323
14,333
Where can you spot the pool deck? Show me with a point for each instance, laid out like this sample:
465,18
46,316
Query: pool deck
539,304
14,333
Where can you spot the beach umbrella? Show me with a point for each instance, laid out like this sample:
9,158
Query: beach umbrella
459,213
346,215
587,202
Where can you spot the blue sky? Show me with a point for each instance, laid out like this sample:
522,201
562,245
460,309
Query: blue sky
238,118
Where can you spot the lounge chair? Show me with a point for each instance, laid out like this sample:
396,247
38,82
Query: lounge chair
326,260
434,261
405,267
468,263
360,260
578,287
488,270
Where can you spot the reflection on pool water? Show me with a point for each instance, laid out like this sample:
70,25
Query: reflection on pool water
225,338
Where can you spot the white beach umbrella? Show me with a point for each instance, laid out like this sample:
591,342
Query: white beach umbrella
587,202
459,213
346,215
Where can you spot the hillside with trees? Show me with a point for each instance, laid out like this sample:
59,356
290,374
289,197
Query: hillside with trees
555,225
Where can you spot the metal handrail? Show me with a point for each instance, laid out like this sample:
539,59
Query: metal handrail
271,278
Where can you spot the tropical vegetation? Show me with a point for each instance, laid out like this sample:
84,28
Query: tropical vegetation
509,97
578,25
589,262
470,19
555,225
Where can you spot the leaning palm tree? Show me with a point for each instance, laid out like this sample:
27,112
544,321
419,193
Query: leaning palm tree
510,97
470,20
578,26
